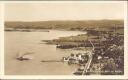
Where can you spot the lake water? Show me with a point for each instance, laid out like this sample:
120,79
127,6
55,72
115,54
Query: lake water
22,42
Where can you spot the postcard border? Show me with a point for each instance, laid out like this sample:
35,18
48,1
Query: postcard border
3,76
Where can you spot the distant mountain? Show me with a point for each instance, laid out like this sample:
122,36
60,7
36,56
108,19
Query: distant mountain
69,25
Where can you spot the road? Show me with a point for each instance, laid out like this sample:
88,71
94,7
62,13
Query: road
90,54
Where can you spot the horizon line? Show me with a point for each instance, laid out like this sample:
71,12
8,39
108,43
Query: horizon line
59,20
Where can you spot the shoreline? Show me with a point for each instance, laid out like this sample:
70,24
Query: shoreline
81,41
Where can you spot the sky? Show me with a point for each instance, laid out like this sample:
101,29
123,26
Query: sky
63,11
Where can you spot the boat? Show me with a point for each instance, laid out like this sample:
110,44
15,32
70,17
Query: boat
25,56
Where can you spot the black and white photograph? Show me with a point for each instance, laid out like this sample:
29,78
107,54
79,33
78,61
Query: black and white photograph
60,40
64,38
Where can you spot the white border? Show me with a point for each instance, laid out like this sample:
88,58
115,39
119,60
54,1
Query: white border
125,76
126,40
1,39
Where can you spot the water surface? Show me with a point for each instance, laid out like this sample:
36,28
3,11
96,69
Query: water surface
22,42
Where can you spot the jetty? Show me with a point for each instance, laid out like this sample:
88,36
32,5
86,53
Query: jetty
51,61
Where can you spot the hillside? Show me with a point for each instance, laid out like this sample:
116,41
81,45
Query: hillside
68,25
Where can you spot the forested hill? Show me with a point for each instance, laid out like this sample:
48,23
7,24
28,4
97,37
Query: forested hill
69,25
